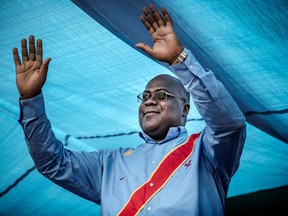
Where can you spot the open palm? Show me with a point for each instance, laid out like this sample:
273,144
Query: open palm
166,45
32,72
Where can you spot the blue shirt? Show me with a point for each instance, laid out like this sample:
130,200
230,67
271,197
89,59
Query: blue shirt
108,177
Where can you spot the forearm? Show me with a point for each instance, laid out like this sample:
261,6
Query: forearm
37,130
211,98
64,167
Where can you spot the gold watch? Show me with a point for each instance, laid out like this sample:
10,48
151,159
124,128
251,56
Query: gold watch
181,57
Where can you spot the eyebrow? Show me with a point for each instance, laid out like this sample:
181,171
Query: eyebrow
157,90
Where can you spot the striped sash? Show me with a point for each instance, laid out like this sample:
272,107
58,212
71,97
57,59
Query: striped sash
158,179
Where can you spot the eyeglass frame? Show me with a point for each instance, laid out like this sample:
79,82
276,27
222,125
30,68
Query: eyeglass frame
139,100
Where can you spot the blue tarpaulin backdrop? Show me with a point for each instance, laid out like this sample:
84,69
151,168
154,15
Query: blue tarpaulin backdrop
96,73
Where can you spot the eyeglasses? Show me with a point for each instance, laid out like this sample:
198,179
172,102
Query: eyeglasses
158,96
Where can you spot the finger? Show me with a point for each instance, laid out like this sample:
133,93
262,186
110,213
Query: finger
157,16
145,47
167,17
31,48
24,50
44,68
16,57
150,18
147,25
39,51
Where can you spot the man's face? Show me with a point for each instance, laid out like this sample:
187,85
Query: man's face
156,117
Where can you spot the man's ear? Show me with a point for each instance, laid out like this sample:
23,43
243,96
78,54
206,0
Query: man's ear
186,109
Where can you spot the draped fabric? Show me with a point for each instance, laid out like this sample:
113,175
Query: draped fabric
241,42
96,73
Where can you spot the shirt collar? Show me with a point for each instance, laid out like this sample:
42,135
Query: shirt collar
173,132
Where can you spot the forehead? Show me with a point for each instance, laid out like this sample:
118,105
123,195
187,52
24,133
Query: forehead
162,83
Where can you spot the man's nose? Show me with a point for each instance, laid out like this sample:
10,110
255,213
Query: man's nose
151,101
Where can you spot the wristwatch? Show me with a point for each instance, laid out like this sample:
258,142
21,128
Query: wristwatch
181,57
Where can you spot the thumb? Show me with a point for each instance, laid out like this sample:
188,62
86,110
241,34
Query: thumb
145,47
44,67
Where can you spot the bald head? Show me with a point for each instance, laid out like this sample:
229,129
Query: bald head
174,84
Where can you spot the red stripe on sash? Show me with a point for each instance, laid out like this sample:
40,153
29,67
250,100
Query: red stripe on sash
158,179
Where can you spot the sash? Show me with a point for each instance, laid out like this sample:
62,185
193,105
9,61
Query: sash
158,179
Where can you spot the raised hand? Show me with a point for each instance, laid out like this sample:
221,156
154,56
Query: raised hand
32,72
166,45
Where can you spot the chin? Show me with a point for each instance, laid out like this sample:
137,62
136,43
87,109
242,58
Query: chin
149,130
147,127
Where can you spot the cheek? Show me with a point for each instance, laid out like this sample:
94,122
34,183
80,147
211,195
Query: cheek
140,111
174,112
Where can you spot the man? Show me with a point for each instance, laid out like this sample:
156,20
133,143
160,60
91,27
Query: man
171,173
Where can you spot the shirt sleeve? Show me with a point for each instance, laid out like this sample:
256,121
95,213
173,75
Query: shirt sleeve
225,133
70,170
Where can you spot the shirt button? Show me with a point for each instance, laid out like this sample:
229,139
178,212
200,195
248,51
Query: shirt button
153,162
190,66
151,184
148,208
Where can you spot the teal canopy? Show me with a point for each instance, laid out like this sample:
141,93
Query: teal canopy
96,73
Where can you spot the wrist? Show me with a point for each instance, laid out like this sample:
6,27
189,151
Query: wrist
179,58
28,96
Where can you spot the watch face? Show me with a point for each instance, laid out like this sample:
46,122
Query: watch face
182,56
